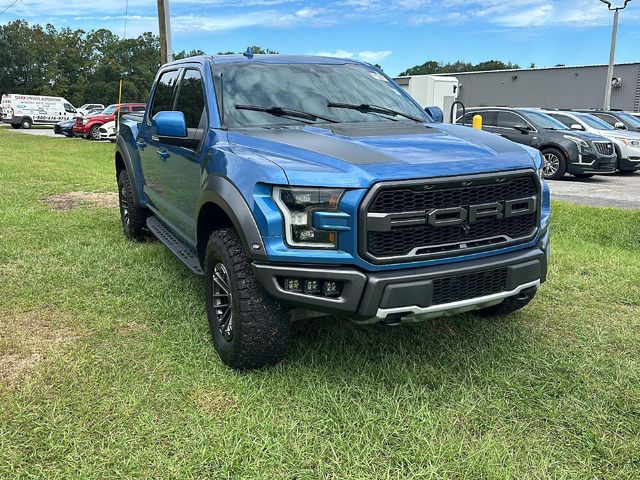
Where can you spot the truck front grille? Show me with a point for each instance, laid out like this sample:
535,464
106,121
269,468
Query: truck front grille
604,148
406,221
471,285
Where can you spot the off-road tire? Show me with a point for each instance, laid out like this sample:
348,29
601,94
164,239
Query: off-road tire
562,159
26,123
94,133
132,215
260,325
509,305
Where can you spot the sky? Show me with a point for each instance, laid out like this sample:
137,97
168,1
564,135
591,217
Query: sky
396,34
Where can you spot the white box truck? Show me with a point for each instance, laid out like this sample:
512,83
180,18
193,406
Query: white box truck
23,111
432,90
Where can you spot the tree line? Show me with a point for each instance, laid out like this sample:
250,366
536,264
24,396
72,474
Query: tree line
432,67
81,66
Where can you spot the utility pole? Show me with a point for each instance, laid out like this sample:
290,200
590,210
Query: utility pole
612,53
164,23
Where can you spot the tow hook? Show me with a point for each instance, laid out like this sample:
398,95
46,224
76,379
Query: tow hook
391,320
522,296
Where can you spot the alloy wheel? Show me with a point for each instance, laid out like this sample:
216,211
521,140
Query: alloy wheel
124,207
551,164
222,300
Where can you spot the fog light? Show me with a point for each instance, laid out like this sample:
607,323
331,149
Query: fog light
292,285
312,287
330,289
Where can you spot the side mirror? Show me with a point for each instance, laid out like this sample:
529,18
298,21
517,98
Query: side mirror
522,128
435,113
170,124
620,126
577,126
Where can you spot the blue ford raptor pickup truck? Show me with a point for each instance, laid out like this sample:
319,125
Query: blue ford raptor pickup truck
300,186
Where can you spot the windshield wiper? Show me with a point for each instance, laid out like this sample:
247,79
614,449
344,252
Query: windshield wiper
368,108
286,112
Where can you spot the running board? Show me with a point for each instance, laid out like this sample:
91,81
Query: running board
184,252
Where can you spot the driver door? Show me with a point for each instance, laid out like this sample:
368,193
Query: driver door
506,122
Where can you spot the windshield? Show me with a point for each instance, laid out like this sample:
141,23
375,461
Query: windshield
308,88
630,119
594,122
109,110
543,120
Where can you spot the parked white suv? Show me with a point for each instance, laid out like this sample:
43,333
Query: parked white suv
627,143
87,108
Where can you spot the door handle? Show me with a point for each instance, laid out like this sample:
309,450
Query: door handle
164,155
141,145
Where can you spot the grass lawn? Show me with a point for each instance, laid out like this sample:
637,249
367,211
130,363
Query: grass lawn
107,369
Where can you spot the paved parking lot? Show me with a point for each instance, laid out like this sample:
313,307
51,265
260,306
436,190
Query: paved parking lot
43,131
618,191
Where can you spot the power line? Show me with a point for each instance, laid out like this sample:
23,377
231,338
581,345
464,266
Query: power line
15,1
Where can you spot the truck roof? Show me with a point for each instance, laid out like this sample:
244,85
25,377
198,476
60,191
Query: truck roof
275,59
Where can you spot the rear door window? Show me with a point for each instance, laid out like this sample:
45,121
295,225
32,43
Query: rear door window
489,117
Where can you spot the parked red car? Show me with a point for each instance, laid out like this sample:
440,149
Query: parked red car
89,126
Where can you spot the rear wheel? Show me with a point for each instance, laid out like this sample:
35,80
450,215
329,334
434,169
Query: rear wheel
555,164
133,216
26,123
511,304
249,328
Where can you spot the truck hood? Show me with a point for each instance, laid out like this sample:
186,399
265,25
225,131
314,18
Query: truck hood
358,155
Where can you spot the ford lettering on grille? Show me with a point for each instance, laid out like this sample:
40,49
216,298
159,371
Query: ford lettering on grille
409,221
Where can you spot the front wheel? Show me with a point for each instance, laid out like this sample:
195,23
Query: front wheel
249,328
26,123
94,133
555,164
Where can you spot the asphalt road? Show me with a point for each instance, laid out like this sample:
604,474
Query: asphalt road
617,191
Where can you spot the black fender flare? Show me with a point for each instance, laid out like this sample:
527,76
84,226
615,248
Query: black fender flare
121,148
221,192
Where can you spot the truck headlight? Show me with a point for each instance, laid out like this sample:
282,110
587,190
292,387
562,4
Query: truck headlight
582,144
297,206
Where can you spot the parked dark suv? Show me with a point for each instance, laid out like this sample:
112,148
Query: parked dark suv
565,151
617,119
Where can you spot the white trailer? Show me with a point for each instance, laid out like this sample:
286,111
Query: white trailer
22,111
432,90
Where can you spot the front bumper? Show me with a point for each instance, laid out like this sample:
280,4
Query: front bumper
589,164
629,163
407,292
81,130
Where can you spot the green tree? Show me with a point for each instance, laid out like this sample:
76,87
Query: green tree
83,67
432,67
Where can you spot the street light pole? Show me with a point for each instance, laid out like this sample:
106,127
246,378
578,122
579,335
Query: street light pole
164,24
612,53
